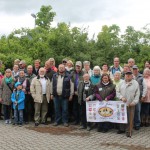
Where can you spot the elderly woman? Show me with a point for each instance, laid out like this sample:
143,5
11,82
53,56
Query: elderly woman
145,108
105,90
117,81
96,77
6,90
52,64
69,68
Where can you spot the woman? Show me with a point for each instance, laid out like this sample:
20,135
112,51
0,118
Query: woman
26,89
6,90
117,81
105,69
105,90
145,108
96,77
52,64
69,68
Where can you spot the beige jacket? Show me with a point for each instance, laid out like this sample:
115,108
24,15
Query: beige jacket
36,90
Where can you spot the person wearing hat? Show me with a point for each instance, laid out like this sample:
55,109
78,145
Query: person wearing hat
18,98
143,90
6,89
77,75
22,66
64,62
86,68
129,93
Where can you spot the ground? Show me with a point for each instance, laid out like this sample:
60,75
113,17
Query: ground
48,137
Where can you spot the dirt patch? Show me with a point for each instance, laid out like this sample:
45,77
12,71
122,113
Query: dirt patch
60,130
128,147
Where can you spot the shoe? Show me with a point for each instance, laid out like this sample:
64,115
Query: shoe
146,125
82,127
6,121
1,118
66,124
99,130
26,122
75,123
128,134
14,124
120,132
36,124
88,128
137,128
9,121
55,124
20,124
44,123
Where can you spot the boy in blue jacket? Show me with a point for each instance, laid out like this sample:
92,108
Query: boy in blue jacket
18,98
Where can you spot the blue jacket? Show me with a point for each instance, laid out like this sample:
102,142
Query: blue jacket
20,100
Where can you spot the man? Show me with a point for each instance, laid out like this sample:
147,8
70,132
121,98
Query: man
143,90
29,99
77,75
126,68
62,92
129,93
87,69
64,62
115,67
40,91
22,66
37,64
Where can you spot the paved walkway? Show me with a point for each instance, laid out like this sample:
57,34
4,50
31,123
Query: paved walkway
61,138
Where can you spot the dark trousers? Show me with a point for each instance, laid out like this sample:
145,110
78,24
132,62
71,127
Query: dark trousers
76,109
61,109
51,111
28,112
7,110
83,115
103,125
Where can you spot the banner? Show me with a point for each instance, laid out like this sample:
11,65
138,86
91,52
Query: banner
106,111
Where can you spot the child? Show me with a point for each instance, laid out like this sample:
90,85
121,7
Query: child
18,98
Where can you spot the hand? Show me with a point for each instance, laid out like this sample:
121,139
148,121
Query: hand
1,100
142,99
106,99
52,97
75,93
70,98
87,99
23,90
124,99
16,102
131,104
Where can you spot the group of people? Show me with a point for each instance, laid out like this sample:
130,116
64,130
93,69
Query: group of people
37,93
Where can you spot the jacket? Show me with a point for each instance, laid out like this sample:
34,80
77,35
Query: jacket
36,90
20,100
130,91
5,92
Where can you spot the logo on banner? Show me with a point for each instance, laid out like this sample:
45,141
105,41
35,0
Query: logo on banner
105,111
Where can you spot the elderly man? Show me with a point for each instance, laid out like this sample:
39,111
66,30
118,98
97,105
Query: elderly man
86,68
22,66
115,67
131,62
62,92
129,93
143,90
40,91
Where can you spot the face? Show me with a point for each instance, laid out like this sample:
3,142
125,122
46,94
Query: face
147,65
116,62
36,64
8,74
87,67
29,70
47,65
15,68
135,71
42,72
125,69
128,77
69,64
21,74
105,79
19,87
117,77
131,63
51,63
61,68
96,72
64,63
86,77
105,68
78,68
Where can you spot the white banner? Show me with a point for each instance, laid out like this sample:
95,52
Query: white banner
106,111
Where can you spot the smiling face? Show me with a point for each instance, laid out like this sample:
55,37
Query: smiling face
105,79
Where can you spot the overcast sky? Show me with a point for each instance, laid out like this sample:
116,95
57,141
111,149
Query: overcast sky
93,14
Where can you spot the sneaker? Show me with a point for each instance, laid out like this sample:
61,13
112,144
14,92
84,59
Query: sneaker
9,121
20,124
66,124
36,124
6,121
88,128
55,124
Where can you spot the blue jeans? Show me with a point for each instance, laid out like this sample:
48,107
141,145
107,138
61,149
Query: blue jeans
18,114
137,117
61,109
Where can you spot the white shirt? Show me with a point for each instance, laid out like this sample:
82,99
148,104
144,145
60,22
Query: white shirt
43,82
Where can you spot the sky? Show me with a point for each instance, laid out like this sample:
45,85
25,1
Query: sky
90,14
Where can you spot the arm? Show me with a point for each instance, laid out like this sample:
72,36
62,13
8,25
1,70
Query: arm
21,98
13,98
144,88
32,88
137,95
71,88
112,95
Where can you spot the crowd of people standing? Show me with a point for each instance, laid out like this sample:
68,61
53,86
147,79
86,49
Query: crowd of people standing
36,93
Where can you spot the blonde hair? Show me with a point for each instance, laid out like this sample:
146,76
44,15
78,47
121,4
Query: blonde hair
146,71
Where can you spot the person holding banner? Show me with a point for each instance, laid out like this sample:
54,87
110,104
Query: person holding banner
129,93
85,88
105,90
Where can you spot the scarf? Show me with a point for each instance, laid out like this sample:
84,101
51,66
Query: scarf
21,79
8,80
